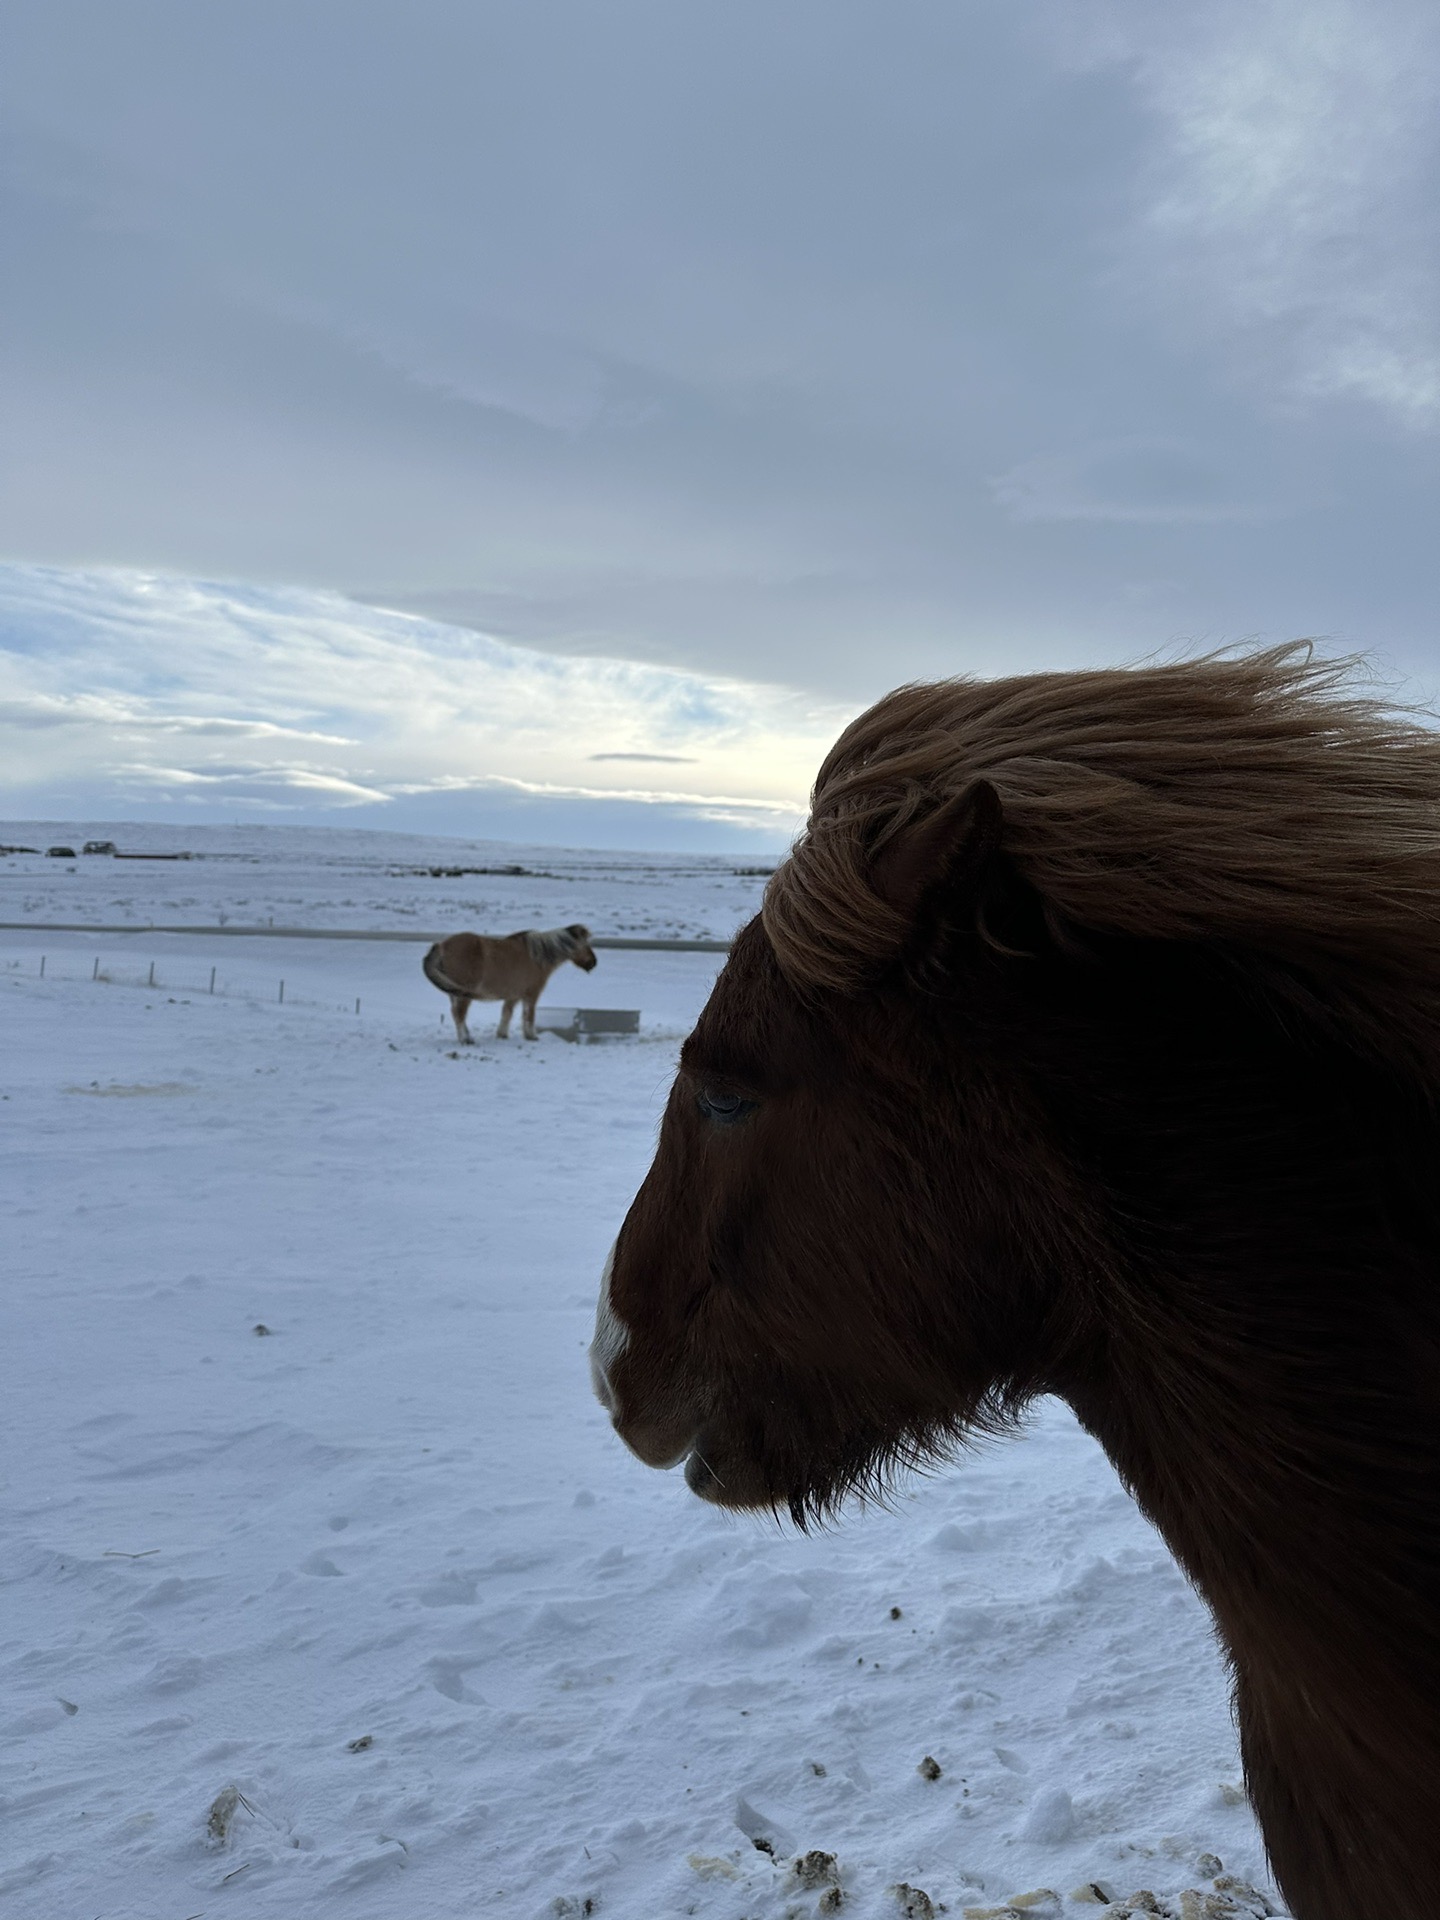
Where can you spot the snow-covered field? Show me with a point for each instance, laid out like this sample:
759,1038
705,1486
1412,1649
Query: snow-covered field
308,876
309,1517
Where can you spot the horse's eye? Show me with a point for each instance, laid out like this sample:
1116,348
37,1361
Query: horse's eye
723,1108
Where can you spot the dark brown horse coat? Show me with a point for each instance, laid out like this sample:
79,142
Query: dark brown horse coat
1089,1044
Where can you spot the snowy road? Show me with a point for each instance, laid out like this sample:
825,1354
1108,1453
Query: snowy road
384,1570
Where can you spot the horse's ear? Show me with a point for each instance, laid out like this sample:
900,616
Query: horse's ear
946,853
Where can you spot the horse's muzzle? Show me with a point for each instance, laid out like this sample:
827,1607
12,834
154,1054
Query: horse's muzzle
663,1442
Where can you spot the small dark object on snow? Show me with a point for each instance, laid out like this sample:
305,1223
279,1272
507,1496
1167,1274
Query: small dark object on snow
929,1769
223,1809
261,1328
816,1869
359,1746
1242,1890
60,853
894,1613
460,873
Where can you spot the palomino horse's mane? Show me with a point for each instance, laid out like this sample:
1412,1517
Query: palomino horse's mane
554,944
1259,804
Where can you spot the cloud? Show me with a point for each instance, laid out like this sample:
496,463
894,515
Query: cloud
784,815
277,788
678,759
1135,481
89,710
811,345
202,724
387,710
38,710
1291,199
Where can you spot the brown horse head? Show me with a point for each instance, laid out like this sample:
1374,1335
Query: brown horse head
804,1293
582,953
1088,1043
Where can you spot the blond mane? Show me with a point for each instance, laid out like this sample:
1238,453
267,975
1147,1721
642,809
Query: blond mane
1259,803
552,945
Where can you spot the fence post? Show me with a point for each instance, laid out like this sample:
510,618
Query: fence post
282,993
42,966
357,1006
212,979
95,975
152,973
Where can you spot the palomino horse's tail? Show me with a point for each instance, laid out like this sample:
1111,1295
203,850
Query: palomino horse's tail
435,975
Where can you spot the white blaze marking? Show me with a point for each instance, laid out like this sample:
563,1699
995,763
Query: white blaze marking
610,1341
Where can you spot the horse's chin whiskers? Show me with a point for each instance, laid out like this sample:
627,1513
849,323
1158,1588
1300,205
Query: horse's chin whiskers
701,1477
708,1468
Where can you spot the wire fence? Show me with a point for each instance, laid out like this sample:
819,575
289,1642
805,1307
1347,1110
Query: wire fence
174,977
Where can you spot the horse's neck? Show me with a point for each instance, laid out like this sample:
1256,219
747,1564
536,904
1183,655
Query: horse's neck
1292,1487
1309,1532
1265,1374
1268,1379
1267,1363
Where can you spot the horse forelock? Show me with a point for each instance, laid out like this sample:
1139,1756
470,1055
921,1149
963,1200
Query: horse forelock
1259,801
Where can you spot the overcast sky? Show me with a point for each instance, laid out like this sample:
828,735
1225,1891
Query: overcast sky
807,346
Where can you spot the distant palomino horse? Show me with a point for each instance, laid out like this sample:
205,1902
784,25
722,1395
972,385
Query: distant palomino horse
1088,1043
509,967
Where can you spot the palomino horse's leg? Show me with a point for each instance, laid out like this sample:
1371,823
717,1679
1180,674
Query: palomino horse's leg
459,1007
502,1032
528,1022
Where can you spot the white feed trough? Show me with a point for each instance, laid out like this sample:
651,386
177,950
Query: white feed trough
587,1023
